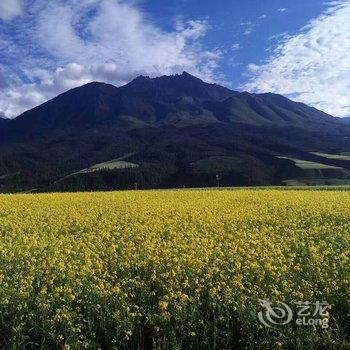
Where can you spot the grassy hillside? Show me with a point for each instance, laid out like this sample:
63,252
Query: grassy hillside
307,165
113,164
319,174
173,124
342,155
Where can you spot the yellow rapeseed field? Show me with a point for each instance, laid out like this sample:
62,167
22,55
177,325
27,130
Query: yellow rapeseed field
172,269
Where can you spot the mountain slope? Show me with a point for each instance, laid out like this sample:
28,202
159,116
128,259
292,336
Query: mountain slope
146,101
3,121
183,85
169,124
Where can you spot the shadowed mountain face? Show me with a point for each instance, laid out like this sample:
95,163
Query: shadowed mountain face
166,126
3,121
165,100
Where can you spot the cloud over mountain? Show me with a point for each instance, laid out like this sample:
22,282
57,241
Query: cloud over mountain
312,66
62,44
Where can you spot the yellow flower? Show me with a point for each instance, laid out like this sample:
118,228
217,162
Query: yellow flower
162,305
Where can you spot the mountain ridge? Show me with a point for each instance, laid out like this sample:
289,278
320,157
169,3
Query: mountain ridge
129,99
168,123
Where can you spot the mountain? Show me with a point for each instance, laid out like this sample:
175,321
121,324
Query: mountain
3,120
178,130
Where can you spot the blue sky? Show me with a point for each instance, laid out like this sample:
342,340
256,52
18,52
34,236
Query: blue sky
251,24
297,48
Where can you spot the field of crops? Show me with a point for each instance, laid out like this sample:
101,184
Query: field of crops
172,269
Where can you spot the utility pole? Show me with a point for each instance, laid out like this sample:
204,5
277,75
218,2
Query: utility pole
218,181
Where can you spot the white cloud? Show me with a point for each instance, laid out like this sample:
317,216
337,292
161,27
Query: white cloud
263,16
235,47
312,66
282,9
64,44
248,27
15,100
9,9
